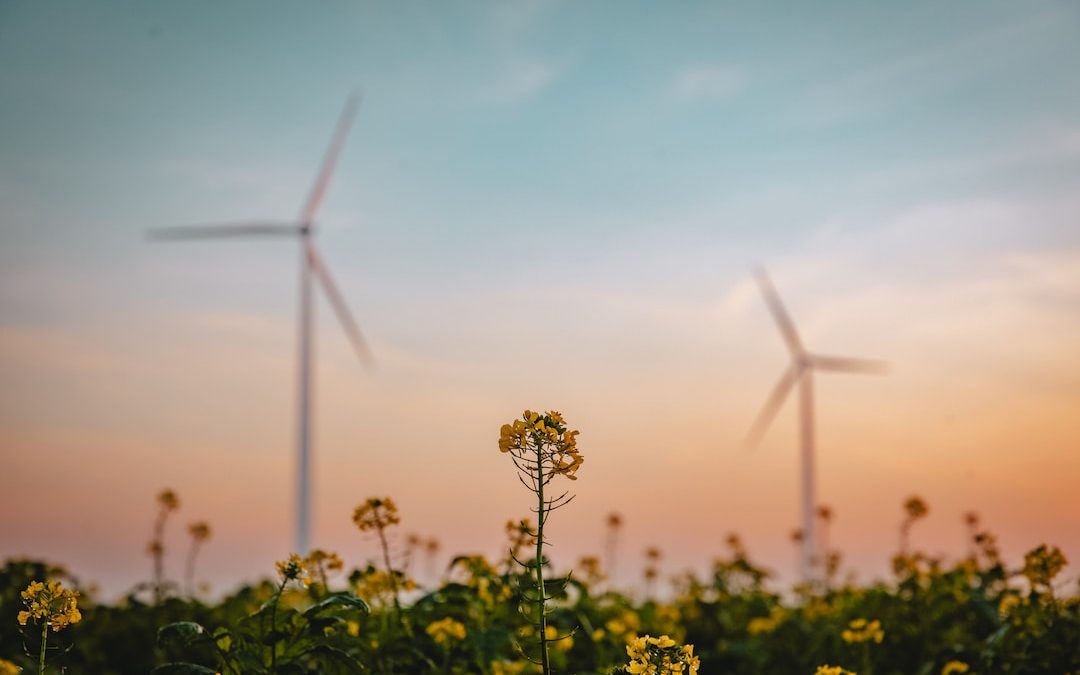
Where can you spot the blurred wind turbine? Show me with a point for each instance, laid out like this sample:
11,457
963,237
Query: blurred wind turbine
801,371
311,265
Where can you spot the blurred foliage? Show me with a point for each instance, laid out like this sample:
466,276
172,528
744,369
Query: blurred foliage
974,615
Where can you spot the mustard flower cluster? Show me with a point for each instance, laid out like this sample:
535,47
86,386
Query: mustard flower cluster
954,668
510,667
1042,564
319,559
547,435
376,514
625,625
660,656
760,625
832,670
294,569
915,508
52,603
445,631
168,500
199,531
589,569
9,668
861,630
375,585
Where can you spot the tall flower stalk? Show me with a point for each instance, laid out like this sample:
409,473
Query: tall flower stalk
614,524
167,503
542,449
199,532
378,514
914,509
292,569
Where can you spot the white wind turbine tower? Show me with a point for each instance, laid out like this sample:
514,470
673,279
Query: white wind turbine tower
311,267
801,372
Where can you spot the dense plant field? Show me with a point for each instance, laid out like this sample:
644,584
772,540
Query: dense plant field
495,617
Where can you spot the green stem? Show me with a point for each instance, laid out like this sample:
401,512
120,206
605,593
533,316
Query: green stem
44,643
540,593
393,582
322,577
159,555
189,570
273,623
389,569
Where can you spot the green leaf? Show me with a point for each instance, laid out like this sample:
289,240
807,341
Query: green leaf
182,633
338,600
223,638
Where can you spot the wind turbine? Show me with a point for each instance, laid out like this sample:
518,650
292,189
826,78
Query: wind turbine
312,269
801,372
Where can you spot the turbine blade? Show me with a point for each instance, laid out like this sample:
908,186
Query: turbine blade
772,405
224,231
326,171
845,365
348,323
780,315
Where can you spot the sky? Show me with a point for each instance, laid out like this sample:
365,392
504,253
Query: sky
542,205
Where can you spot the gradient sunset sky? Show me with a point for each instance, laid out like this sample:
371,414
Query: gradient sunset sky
546,205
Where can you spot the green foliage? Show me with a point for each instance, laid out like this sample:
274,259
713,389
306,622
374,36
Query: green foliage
272,639
976,611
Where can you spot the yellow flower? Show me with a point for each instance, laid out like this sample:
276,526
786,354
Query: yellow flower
444,631
319,559
293,569
1007,603
199,531
832,670
915,507
8,668
508,667
760,624
660,656
954,667
376,513
375,585
168,500
1042,564
544,439
861,630
50,602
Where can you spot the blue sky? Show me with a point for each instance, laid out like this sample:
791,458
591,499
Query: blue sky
535,188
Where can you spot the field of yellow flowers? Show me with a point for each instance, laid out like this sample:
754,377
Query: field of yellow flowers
516,615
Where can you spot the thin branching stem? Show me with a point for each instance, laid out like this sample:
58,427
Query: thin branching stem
44,645
542,517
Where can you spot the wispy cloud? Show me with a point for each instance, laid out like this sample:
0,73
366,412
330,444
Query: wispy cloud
920,73
708,82
524,80
520,73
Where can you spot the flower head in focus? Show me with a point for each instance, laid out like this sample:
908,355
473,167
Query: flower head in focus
50,602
